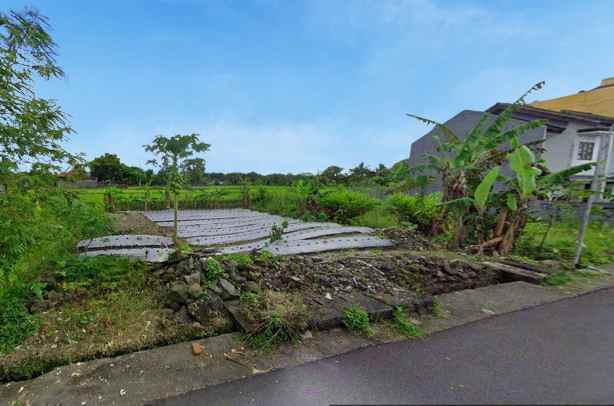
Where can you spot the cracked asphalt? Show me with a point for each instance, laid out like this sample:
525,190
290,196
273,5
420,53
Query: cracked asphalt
561,352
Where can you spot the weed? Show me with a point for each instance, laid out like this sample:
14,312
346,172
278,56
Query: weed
276,317
242,260
437,310
266,258
404,325
277,231
355,318
213,270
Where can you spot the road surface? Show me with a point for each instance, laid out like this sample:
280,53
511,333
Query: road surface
561,352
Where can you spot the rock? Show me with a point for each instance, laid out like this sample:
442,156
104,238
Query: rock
216,288
254,276
192,278
229,266
206,309
195,291
229,290
252,287
235,276
328,296
306,335
178,295
183,317
197,326
185,267
197,349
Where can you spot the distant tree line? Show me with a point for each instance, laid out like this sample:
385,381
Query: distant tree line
109,169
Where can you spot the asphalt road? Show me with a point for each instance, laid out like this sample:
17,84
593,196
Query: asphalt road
557,353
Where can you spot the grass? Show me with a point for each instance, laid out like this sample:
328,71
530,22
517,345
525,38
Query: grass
558,279
404,326
100,306
276,318
356,319
561,278
437,310
561,243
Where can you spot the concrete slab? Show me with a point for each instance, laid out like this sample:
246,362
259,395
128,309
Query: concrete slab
325,313
512,273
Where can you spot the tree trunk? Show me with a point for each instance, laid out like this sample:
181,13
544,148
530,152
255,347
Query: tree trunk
175,215
501,217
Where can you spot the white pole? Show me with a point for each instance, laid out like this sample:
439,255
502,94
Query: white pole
597,188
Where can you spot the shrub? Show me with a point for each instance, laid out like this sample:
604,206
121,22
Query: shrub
276,318
418,210
343,205
356,319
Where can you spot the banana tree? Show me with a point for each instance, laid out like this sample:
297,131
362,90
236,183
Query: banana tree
460,162
528,183
470,167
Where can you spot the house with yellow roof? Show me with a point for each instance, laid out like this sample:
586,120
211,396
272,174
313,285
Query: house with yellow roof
574,128
598,101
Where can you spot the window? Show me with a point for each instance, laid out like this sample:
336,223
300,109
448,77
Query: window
585,151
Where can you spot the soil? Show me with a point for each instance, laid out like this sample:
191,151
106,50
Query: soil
132,222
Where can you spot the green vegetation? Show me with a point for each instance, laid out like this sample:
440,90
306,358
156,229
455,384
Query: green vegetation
242,261
38,233
174,153
423,211
275,317
403,325
214,270
558,278
355,318
277,231
561,242
474,211
437,310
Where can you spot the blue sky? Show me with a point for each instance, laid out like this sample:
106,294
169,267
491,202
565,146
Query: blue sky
292,86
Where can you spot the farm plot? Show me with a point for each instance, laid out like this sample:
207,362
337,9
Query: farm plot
241,230
229,231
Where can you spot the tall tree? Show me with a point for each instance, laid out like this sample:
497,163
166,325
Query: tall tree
332,175
107,168
31,128
194,171
171,154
